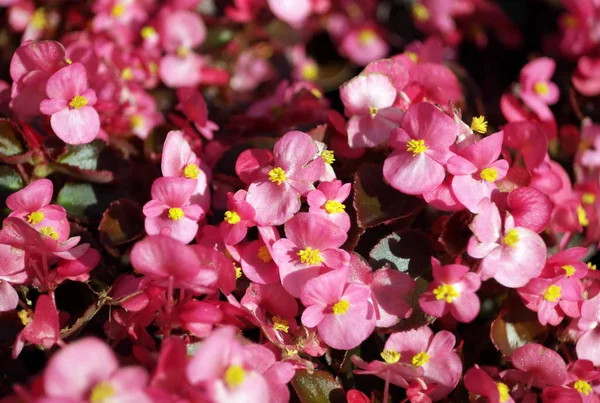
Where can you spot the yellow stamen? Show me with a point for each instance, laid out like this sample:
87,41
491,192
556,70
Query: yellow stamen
316,93
503,391
191,171
390,356
127,74
277,175
117,10
328,157
582,217
25,317
234,376
416,147
311,256
310,71
334,207
366,37
136,121
153,68
412,56
447,292
69,61
102,392
182,51
35,218
489,174
39,19
147,32
176,213
78,101
341,307
420,12
588,198
264,255
231,217
49,232
238,272
288,352
583,387
420,359
280,324
479,124
569,270
373,111
553,293
541,88
512,238
591,266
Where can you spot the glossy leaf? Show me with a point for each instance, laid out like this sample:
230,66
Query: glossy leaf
317,387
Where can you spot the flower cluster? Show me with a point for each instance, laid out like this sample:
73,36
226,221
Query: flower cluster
381,223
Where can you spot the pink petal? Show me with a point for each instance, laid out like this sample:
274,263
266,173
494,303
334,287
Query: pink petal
31,198
67,82
174,192
176,154
588,346
9,299
76,126
412,175
371,90
307,229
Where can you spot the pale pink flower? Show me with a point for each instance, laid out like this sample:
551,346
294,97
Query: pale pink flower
328,201
12,271
294,12
588,344
536,90
364,43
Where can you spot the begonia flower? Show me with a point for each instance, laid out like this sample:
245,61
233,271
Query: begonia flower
479,382
588,344
238,217
41,328
552,299
328,201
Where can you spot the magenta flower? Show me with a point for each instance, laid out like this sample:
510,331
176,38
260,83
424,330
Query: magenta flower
170,212
278,180
583,377
512,256
328,201
311,247
41,328
32,204
536,90
368,99
476,169
98,378
552,299
341,312
586,78
452,290
530,208
238,217
179,161
479,382
193,105
422,149
70,105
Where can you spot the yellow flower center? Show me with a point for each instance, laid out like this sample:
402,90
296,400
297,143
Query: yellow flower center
447,292
69,61
136,121
316,93
591,266
191,171
489,174
503,391
35,218
553,293
341,307
182,51
277,175
153,68
479,124
541,88
416,147
310,72
569,270
238,272
101,392
588,198
127,74
78,102
366,37
310,256
49,232
176,213
39,19
264,255
147,32
231,217
390,356
420,12
582,216
334,207
583,387
373,110
280,324
234,376
117,10
25,317
328,157
512,238
420,359
412,56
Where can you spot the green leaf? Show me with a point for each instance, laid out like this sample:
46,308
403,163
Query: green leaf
83,156
10,143
77,197
10,182
376,202
317,387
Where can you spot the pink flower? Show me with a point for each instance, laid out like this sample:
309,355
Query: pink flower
97,378
42,328
12,271
530,208
32,204
70,104
294,12
364,43
368,99
539,364
238,217
479,382
580,377
228,371
278,180
258,264
452,290
476,169
170,212
552,299
327,201
179,161
422,149
536,90
512,256
193,105
588,344
311,247
341,312
586,78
